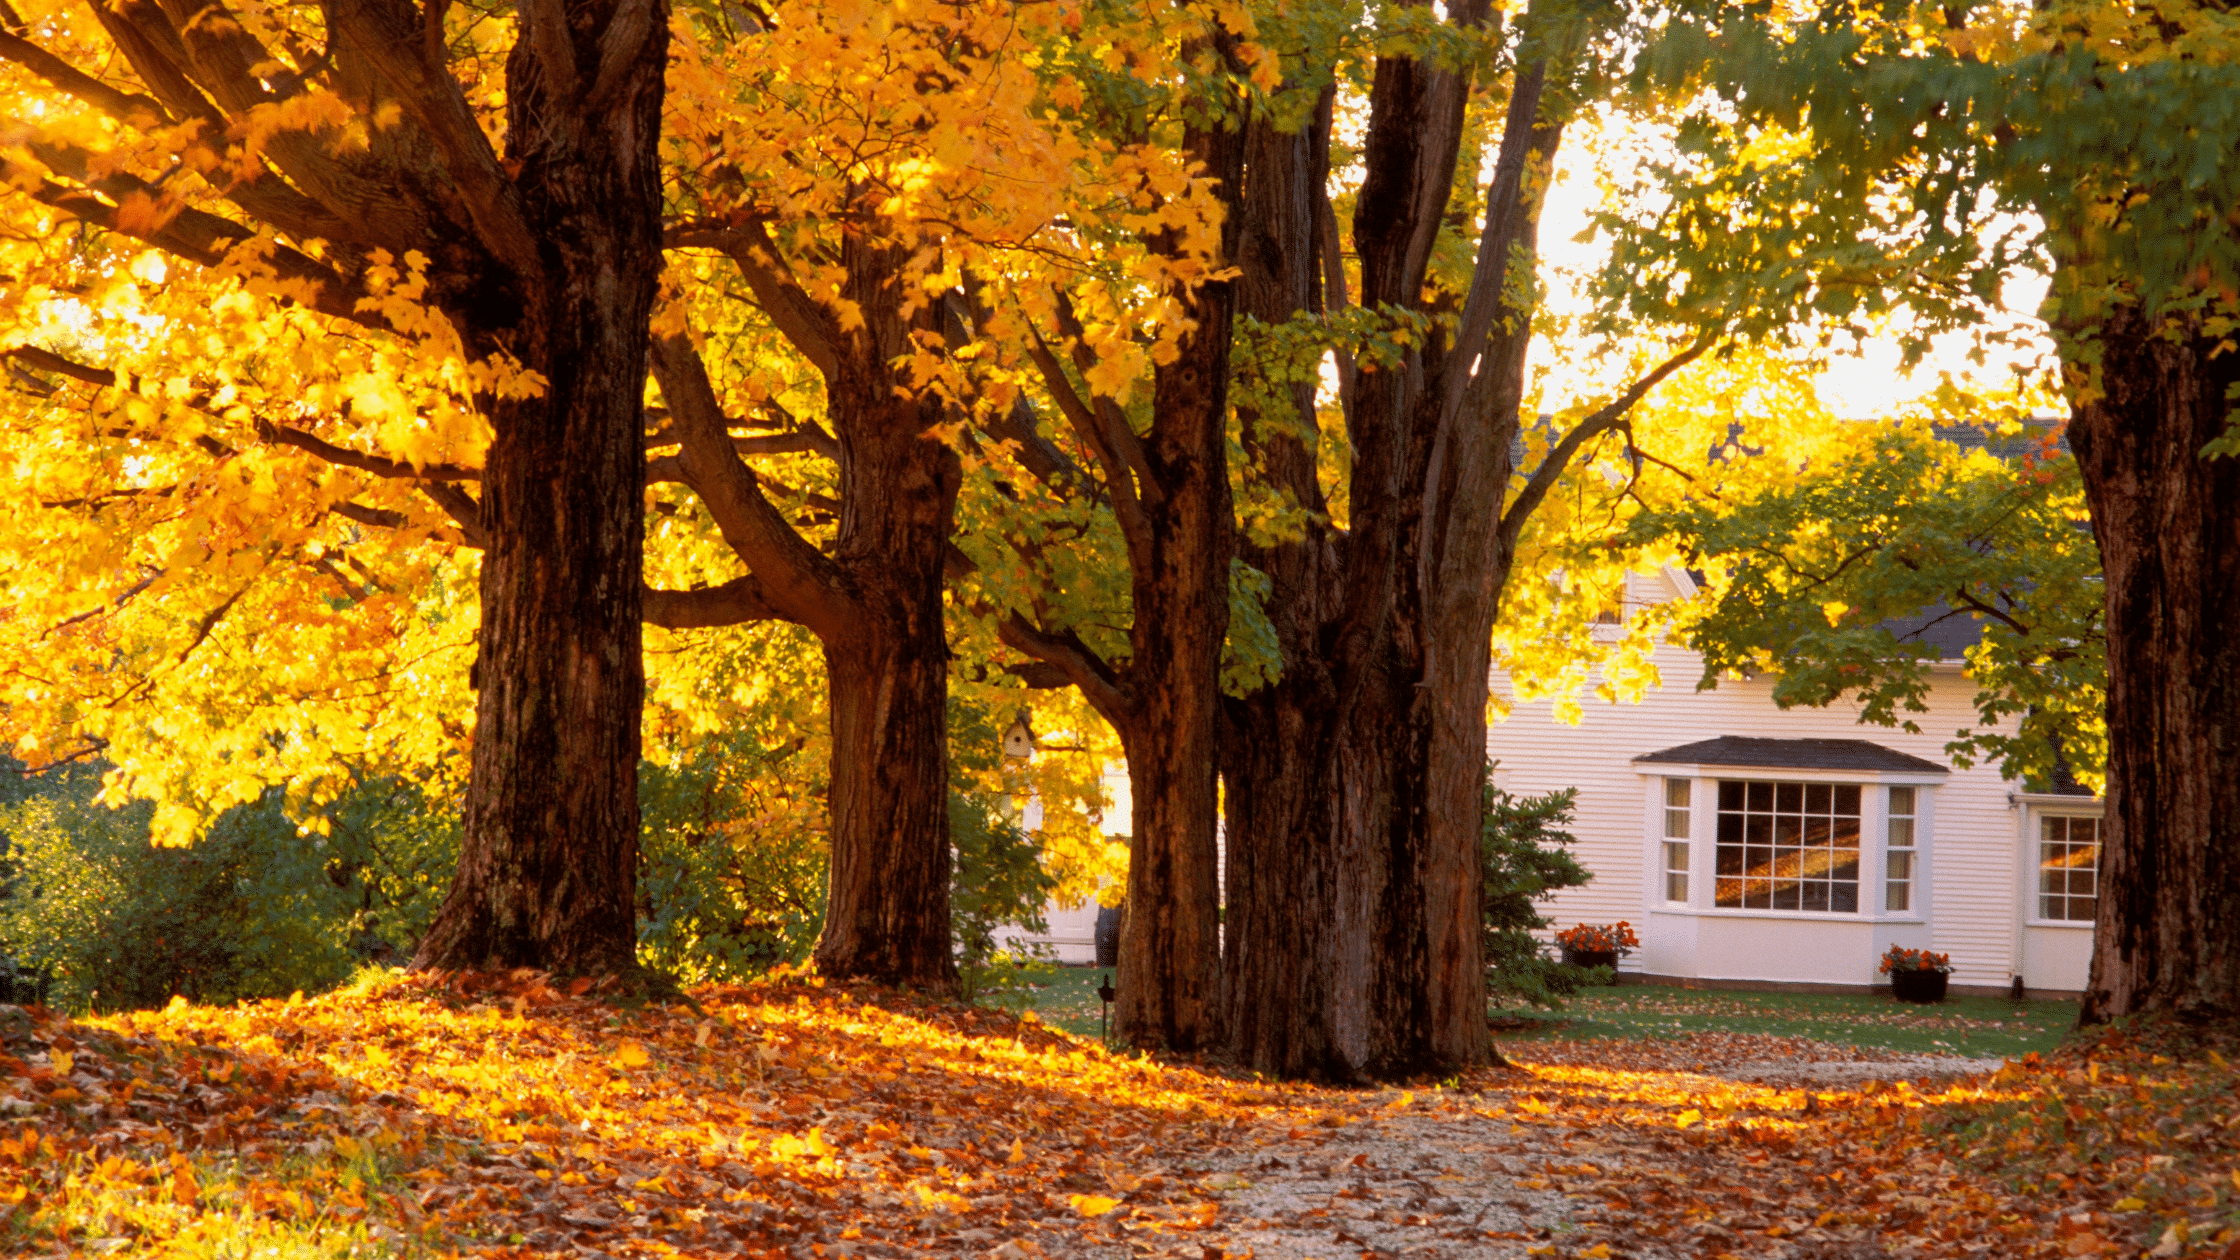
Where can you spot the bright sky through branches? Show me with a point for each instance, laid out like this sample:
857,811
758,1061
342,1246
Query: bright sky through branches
1859,385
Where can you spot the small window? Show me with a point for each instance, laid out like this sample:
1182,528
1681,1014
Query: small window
1788,846
1898,887
2069,869
1678,825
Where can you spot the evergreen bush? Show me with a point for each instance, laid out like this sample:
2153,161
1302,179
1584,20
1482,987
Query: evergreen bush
1526,858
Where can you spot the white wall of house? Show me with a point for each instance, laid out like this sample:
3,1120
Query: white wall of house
1978,838
1072,934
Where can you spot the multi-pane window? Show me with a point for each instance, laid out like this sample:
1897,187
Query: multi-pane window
1677,828
1788,846
1898,887
2068,868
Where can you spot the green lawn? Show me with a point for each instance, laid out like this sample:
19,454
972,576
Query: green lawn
1972,1026
1066,998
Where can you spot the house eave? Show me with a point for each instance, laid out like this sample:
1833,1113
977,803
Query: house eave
1706,770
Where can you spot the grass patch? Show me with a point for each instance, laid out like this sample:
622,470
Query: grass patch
1977,1027
1065,997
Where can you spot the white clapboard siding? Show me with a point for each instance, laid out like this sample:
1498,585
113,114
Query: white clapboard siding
1973,877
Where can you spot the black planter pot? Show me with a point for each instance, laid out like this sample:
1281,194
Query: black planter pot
1591,957
1925,987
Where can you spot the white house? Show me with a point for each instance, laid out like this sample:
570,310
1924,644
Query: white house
1752,845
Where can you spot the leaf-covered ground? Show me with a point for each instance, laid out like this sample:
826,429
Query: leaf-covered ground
496,1115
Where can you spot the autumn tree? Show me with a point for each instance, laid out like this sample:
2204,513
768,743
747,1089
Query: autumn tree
340,173
1863,160
1355,780
1158,471
884,236
1840,579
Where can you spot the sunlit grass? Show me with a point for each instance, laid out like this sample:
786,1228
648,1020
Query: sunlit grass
1972,1027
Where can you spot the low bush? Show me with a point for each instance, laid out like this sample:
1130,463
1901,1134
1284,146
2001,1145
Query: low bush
1526,858
257,908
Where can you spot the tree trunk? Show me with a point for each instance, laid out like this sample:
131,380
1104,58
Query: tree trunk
551,835
1170,942
1355,782
2168,523
887,908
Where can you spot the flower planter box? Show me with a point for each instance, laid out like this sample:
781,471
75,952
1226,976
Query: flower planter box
1925,987
1592,957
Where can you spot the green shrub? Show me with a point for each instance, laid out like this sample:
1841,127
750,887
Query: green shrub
998,879
1526,859
732,859
256,908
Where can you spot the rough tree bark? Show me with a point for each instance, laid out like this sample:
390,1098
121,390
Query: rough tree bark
1170,942
549,861
1354,782
1170,493
875,602
2168,524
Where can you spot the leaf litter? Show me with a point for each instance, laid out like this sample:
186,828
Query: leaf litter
506,1115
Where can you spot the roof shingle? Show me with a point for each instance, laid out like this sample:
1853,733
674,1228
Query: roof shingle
1750,752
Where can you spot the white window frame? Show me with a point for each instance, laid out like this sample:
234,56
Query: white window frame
2034,854
1873,840
1678,833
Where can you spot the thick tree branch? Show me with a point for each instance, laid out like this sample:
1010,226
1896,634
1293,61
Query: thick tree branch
735,602
619,48
385,33
379,466
194,235
377,518
461,507
1120,484
810,327
130,108
802,582
1082,666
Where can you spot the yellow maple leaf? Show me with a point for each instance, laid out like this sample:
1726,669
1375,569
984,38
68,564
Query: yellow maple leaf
1092,1204
631,1055
1688,1117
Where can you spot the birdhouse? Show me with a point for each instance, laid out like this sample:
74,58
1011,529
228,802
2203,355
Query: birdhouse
1018,742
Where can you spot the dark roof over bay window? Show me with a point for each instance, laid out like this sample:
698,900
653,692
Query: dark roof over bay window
1748,752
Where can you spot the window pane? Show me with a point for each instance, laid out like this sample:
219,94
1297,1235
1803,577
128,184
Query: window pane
1847,833
1847,799
1901,800
1730,793
1901,833
2068,868
1845,899
1761,796
1676,823
1788,797
1816,831
1676,793
1816,798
